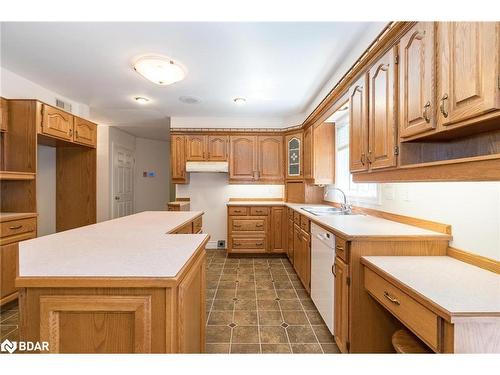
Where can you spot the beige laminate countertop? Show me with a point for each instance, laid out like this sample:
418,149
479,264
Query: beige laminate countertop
457,287
354,226
132,246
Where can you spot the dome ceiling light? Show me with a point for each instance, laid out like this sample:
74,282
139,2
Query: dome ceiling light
160,70
239,101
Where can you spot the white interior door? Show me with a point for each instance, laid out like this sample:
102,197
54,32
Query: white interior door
123,181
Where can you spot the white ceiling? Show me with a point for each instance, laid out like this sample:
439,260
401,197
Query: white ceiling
278,67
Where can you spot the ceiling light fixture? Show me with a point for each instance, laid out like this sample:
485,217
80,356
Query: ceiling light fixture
141,100
160,70
239,101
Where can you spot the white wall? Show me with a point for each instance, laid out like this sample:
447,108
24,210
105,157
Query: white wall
209,192
13,86
46,190
151,193
471,208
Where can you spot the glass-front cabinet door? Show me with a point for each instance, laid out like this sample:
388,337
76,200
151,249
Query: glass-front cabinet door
294,156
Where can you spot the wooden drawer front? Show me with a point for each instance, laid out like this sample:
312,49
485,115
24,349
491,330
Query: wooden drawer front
342,249
259,211
186,229
305,223
248,225
57,123
238,211
197,225
248,244
17,227
423,322
85,132
296,217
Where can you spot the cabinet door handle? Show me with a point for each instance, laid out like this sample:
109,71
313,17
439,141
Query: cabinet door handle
444,111
16,227
237,225
369,157
340,248
391,298
236,244
259,244
76,133
259,225
363,158
70,132
334,270
425,113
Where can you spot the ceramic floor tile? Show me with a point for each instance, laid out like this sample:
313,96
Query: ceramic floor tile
273,335
275,348
306,348
217,348
245,335
245,348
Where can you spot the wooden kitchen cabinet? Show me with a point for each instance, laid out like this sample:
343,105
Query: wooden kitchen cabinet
319,154
196,147
217,146
341,304
242,158
290,239
382,121
417,79
278,230
302,256
4,114
358,129
56,123
468,71
178,159
85,132
294,167
8,267
270,158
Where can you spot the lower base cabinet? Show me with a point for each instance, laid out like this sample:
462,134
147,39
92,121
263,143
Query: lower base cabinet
302,256
341,304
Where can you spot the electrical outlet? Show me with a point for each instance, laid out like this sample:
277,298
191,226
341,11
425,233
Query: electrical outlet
221,244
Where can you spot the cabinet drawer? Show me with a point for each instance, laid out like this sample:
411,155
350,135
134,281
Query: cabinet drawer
248,224
186,229
248,244
197,224
305,223
18,227
342,249
259,211
238,211
422,321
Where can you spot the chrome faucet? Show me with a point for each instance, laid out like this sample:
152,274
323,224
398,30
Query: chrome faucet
345,207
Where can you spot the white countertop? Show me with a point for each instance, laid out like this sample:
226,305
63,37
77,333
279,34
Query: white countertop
455,286
132,246
352,226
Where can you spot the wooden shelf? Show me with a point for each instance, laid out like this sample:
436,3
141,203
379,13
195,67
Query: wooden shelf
10,175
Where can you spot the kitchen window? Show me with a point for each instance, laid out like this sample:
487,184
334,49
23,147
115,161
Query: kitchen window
356,192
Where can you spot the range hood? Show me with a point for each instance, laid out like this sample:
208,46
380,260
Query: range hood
207,166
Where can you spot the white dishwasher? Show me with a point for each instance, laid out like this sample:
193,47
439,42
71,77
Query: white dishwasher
322,281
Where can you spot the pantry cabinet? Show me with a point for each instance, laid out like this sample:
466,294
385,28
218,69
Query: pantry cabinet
178,159
358,129
468,70
382,122
417,100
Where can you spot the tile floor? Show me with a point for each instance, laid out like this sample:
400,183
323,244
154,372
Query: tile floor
254,305
258,305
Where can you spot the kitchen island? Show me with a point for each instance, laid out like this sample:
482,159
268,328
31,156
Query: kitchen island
128,285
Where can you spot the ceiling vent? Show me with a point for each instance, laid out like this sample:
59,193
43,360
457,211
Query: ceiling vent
63,105
189,99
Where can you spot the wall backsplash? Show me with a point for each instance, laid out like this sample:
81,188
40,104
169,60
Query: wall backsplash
209,192
471,208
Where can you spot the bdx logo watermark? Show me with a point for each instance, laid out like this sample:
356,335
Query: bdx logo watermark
24,346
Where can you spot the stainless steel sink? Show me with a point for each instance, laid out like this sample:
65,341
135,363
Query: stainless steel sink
324,211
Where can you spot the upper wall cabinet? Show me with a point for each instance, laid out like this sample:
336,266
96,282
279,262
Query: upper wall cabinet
56,123
294,156
206,147
85,132
417,107
196,147
270,158
242,159
217,147
178,159
319,154
468,70
4,111
382,122
358,117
